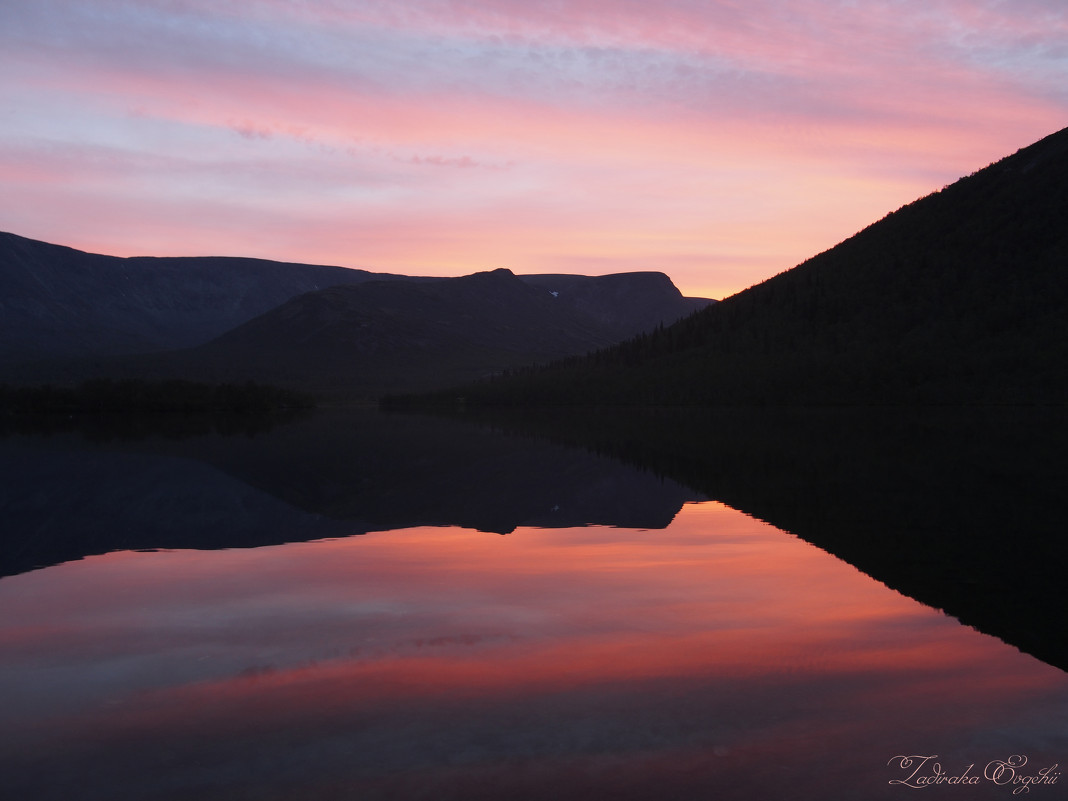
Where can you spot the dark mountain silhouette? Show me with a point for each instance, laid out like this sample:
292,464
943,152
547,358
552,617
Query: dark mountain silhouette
625,303
387,336
59,302
68,316
959,297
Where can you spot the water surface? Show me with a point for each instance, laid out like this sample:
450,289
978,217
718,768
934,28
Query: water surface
701,653
716,658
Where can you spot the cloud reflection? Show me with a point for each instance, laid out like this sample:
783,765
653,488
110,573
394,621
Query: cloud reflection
443,660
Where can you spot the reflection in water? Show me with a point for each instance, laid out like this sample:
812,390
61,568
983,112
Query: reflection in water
327,475
717,658
962,509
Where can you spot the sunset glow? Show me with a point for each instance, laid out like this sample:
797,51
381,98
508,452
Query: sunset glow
440,656
719,142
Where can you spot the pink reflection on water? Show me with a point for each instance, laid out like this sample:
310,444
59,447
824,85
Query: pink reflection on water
447,658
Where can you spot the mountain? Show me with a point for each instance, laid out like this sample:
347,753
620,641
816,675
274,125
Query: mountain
67,316
388,336
625,303
59,302
959,297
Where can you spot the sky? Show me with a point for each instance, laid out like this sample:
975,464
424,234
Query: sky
718,141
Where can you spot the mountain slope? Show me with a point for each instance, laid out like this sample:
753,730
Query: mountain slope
960,297
625,303
60,302
394,336
67,316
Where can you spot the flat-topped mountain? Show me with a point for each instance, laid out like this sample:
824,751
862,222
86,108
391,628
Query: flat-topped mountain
959,297
510,312
67,316
381,336
625,303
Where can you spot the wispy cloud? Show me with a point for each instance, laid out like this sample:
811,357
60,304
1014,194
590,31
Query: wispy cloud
611,130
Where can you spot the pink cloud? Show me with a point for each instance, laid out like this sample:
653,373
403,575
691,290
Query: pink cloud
733,135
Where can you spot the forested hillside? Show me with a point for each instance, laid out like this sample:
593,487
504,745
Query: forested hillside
959,297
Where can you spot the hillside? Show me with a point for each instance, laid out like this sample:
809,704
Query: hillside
59,302
626,304
379,336
959,297
68,316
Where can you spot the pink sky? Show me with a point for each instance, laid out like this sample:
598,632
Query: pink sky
720,141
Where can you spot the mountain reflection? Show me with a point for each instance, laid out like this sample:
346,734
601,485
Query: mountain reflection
628,639
717,658
959,508
328,475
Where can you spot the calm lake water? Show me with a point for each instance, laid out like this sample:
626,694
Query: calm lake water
652,644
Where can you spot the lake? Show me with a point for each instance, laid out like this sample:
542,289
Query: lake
362,607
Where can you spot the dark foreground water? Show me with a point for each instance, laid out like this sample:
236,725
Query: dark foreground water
627,638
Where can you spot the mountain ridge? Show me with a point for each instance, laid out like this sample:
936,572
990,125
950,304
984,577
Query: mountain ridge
57,301
957,297
69,316
377,337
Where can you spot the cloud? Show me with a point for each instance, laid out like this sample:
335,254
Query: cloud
459,162
442,161
250,130
606,121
